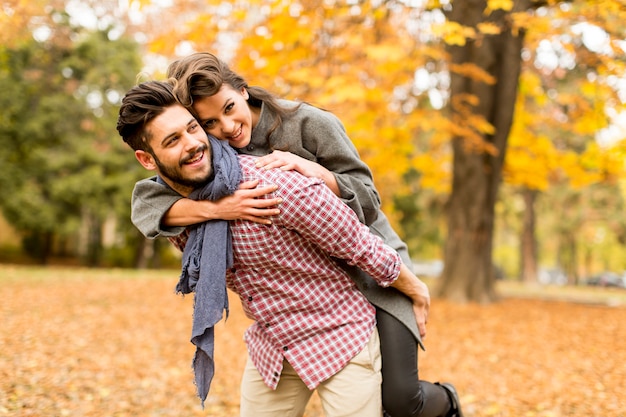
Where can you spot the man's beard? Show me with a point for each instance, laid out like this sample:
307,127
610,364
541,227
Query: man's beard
174,174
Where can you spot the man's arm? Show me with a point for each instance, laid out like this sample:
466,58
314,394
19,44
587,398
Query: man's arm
311,209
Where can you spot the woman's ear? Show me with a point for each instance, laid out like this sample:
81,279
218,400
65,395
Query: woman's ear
146,160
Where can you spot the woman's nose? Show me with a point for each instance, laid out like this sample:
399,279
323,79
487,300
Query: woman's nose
228,125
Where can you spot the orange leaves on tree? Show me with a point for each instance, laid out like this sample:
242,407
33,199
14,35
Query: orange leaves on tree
488,28
492,5
15,18
473,72
530,161
454,33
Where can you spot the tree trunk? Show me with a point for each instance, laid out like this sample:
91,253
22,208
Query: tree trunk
468,273
144,253
94,242
528,247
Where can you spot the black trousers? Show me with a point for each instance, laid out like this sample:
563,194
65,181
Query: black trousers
404,395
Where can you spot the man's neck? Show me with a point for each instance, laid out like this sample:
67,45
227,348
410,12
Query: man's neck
180,189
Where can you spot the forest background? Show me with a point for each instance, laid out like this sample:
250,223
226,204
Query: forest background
494,129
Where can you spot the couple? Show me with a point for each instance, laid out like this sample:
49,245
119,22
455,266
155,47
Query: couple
312,328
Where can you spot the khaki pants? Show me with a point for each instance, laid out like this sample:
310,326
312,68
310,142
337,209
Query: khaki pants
354,391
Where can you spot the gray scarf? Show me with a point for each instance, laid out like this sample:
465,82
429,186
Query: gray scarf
207,254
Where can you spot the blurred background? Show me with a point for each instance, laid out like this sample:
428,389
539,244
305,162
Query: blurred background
495,129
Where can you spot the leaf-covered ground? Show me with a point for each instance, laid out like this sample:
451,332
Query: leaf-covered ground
116,343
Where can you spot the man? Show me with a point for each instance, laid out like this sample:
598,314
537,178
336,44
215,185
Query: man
313,329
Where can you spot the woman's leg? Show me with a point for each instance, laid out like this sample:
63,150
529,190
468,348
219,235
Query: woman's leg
404,395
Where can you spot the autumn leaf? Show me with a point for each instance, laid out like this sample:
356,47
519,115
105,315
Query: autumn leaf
492,5
488,28
473,72
454,33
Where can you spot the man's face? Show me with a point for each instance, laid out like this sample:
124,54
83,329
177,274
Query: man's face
181,153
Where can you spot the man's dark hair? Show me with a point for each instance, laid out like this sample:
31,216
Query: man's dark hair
140,105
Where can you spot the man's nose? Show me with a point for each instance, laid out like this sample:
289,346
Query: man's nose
190,141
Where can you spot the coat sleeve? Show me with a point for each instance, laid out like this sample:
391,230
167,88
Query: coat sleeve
150,202
325,141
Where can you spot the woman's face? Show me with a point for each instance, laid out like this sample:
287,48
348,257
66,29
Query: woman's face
226,115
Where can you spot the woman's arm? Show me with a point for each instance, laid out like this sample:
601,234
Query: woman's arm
244,204
418,292
158,210
288,161
319,136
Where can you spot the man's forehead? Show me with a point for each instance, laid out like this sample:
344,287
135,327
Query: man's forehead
173,118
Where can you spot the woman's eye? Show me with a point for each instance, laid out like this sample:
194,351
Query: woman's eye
229,107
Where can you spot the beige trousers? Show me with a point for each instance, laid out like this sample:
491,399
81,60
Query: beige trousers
354,391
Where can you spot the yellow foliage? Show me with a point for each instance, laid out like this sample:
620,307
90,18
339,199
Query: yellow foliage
473,71
385,52
436,171
506,5
481,125
488,28
15,19
454,33
530,84
354,58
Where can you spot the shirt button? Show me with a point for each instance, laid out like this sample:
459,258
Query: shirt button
250,148
250,298
233,269
267,325
285,348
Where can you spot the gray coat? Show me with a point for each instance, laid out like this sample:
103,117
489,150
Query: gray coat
318,136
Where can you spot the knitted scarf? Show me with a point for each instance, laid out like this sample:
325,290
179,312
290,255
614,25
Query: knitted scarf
207,255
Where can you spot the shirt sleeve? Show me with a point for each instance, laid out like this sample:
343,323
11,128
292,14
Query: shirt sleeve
313,211
150,202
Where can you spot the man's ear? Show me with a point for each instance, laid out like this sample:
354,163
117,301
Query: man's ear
146,160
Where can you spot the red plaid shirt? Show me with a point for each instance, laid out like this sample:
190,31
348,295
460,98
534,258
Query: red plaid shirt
306,308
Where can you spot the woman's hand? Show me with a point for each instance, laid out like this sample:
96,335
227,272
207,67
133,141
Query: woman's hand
244,204
418,292
421,306
288,161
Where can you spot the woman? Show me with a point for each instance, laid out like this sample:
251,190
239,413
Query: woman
304,138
